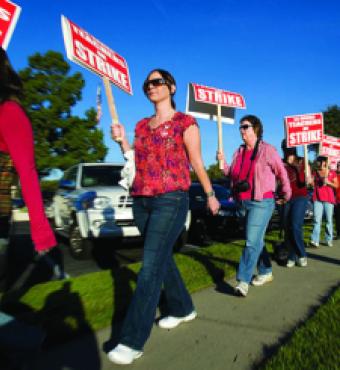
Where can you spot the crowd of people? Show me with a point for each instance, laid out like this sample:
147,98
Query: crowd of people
165,146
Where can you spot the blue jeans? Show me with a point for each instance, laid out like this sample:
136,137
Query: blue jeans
294,214
319,209
160,220
256,217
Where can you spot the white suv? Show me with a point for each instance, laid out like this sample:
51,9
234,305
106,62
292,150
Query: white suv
90,204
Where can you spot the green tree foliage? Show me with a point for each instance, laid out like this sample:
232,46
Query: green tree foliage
50,93
213,171
332,121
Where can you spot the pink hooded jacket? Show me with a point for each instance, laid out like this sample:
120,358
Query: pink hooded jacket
268,168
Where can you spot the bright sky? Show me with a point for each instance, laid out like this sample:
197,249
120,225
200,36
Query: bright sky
283,56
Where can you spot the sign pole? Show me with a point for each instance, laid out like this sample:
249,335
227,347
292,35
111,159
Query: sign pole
305,149
111,102
220,135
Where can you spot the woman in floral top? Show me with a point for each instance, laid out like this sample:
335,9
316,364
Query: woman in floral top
165,146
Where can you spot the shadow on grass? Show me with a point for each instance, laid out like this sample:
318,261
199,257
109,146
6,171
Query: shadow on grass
268,352
62,318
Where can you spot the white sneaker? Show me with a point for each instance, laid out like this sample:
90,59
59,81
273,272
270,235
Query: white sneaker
262,279
313,244
330,243
241,289
123,355
290,263
170,322
302,261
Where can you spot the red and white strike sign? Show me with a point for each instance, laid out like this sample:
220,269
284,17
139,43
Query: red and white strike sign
84,49
304,129
9,14
211,95
330,147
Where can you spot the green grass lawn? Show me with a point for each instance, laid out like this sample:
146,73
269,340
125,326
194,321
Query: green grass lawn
90,302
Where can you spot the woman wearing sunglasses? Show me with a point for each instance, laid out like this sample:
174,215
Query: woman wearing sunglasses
254,170
165,145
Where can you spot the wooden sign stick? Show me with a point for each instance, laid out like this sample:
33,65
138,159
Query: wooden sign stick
305,149
111,102
220,135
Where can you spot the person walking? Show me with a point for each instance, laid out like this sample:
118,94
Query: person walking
165,145
254,168
325,183
295,208
17,154
337,205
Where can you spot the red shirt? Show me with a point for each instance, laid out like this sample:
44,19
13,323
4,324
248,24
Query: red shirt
338,190
162,163
296,175
324,193
240,170
16,138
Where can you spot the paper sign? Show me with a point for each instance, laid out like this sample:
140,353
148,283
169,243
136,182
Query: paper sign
86,50
304,129
9,14
203,110
330,147
211,95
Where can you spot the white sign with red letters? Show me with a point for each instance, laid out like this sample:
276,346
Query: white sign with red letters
304,129
86,50
9,14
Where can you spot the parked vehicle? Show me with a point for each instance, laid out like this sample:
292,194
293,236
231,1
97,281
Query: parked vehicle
90,205
204,226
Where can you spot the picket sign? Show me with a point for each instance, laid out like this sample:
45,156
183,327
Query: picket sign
9,14
84,49
330,147
304,129
201,103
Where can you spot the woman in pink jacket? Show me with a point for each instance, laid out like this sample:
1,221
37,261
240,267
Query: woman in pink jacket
17,150
254,170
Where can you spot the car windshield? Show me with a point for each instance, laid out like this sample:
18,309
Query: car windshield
100,176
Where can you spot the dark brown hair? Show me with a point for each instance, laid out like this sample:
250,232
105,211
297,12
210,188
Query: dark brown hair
169,79
10,82
256,123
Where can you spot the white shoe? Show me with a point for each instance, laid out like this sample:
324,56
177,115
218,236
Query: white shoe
262,279
170,322
330,243
302,262
313,244
290,263
241,289
123,355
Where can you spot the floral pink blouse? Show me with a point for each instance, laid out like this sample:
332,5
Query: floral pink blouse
162,163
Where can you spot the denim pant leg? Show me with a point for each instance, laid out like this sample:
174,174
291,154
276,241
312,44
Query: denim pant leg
257,218
162,219
329,210
317,220
178,299
296,221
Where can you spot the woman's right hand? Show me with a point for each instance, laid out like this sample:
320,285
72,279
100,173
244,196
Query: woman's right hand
117,132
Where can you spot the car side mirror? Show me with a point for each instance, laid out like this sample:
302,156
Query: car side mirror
67,184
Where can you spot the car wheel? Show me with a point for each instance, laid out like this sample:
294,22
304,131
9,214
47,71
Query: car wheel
80,248
181,241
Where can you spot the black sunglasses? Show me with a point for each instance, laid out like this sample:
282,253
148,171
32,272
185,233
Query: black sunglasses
154,82
245,127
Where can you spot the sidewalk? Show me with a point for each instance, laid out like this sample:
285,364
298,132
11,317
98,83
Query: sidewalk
229,333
